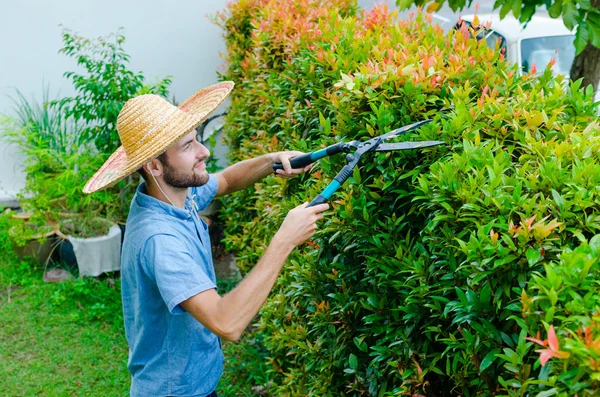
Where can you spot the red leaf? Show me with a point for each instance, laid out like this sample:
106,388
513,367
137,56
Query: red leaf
539,342
552,340
529,222
546,355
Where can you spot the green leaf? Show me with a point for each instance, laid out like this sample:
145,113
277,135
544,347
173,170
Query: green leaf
570,14
581,37
548,393
356,175
488,359
556,9
560,201
585,5
404,4
533,256
353,361
593,21
359,342
516,8
506,7
527,13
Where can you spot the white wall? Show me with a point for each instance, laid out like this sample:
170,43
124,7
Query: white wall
162,37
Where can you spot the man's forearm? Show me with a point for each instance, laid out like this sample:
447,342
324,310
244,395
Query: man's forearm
229,316
246,173
243,303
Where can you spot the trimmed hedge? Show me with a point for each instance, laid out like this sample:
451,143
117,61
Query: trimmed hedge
415,280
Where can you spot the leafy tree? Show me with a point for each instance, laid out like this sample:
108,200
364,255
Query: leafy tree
581,14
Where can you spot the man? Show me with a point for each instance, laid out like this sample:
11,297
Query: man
174,317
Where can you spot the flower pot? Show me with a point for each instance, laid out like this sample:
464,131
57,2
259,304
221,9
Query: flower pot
38,244
95,254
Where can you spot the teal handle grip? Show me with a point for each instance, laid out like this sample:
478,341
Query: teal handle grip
334,185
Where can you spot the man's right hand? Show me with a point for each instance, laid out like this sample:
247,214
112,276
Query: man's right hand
230,315
300,224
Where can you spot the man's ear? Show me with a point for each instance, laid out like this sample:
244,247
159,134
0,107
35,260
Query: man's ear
153,167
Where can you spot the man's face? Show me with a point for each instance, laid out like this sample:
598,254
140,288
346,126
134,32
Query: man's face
185,165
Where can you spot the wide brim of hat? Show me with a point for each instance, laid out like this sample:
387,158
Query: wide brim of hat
200,106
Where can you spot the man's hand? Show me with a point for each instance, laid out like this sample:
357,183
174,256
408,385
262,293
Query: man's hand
299,225
284,158
230,315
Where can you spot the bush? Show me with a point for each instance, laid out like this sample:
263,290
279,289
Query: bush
414,282
565,295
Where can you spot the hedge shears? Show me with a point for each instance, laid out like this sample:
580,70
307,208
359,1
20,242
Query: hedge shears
355,150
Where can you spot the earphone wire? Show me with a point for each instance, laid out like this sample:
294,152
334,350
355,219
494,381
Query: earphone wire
162,191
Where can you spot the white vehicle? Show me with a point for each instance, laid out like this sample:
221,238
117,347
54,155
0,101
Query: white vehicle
542,40
534,45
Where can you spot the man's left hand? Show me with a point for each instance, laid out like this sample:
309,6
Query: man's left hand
284,159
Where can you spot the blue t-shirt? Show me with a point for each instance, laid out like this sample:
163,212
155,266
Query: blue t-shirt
167,259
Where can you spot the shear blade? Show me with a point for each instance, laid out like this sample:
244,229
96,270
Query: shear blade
404,130
388,147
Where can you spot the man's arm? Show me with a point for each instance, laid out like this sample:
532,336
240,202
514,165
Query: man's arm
229,316
246,173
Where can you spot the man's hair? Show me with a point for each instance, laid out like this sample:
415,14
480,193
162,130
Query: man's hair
162,158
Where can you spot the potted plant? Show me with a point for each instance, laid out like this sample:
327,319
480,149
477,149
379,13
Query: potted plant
32,236
92,243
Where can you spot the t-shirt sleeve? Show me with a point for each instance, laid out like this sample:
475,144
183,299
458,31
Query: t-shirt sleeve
177,275
204,194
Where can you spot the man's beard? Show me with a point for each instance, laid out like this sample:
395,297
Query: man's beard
181,180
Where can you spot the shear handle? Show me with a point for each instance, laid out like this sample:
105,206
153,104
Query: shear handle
334,185
305,159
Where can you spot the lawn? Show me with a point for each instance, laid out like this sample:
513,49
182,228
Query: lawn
67,339
55,342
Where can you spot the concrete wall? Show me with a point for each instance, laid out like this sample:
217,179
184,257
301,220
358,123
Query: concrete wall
162,37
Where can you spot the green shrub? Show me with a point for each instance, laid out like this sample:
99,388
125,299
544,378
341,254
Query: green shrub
65,141
565,296
413,284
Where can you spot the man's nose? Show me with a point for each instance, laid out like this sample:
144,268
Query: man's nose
203,152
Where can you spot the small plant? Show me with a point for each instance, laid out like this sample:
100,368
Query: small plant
104,87
46,126
84,228
22,232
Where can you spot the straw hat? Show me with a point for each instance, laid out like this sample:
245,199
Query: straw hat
148,125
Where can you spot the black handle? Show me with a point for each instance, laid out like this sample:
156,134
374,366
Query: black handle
297,162
305,159
317,200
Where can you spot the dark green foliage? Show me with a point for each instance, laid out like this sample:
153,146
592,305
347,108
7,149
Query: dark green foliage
583,16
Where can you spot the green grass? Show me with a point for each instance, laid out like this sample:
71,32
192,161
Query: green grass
67,339
54,344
